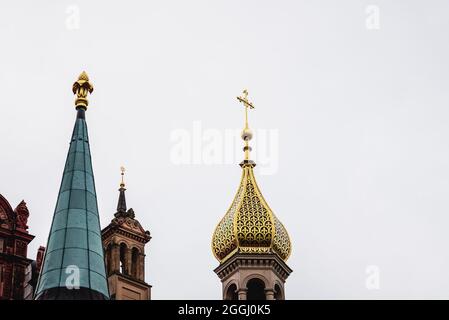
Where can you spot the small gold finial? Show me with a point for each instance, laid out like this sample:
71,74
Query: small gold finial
122,184
81,88
246,133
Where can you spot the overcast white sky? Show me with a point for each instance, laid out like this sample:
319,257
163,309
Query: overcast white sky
359,118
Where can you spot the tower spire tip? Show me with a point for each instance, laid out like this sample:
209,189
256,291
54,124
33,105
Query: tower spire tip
122,183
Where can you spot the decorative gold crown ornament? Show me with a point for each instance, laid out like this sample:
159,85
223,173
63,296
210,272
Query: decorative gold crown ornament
81,88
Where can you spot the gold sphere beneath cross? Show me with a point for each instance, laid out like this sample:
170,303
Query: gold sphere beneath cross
247,134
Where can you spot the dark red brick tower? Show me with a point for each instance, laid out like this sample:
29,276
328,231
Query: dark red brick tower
14,240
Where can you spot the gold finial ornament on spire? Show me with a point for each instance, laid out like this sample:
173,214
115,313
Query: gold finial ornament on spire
247,134
81,88
122,183
249,226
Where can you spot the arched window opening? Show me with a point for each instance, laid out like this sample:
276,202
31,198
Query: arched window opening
231,293
109,262
135,262
123,258
278,294
256,289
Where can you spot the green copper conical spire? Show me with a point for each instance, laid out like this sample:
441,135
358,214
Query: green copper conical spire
73,266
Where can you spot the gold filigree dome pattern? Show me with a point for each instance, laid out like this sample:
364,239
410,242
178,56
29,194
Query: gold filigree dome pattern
249,226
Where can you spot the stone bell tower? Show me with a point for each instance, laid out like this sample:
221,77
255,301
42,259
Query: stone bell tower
124,242
250,242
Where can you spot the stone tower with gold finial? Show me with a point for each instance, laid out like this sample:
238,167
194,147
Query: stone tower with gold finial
250,242
124,242
73,267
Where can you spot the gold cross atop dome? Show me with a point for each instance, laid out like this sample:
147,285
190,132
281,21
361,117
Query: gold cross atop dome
245,101
122,172
81,88
247,134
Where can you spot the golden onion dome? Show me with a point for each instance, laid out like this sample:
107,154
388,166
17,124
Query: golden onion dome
249,225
